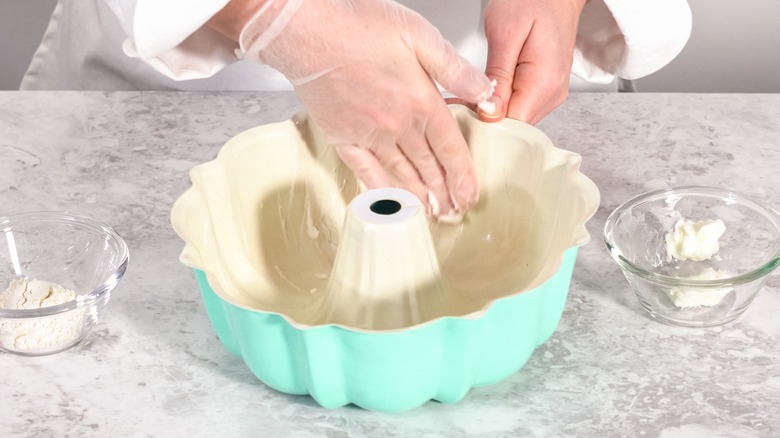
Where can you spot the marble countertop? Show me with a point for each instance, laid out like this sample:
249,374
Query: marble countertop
154,367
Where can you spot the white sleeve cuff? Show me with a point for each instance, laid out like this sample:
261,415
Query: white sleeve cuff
629,39
173,38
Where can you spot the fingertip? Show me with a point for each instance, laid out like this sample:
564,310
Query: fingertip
491,110
465,194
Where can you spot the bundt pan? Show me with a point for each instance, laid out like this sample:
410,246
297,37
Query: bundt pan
354,296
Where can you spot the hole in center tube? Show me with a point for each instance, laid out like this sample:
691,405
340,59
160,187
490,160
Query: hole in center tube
386,207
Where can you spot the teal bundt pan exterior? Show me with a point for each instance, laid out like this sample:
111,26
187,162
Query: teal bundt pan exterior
392,371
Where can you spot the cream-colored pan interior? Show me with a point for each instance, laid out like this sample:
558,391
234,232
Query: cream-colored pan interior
265,220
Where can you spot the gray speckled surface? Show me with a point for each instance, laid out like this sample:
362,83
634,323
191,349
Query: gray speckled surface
155,368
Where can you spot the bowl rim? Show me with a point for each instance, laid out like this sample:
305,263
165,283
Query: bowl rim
691,190
80,220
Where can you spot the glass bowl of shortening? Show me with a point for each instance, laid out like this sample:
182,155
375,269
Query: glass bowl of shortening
694,256
57,271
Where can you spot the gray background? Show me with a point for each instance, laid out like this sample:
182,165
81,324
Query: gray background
734,47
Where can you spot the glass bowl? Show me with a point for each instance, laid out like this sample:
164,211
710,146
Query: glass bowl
701,290
57,271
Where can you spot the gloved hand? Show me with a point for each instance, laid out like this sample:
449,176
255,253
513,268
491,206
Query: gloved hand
365,71
530,53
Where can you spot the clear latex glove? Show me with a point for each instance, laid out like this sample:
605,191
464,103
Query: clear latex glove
366,71
530,53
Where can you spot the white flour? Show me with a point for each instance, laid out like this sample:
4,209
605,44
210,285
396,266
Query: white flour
44,333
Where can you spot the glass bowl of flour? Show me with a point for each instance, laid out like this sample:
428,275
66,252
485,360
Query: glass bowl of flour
57,271
694,256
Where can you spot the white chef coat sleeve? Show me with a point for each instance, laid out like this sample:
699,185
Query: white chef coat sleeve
629,39
172,36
